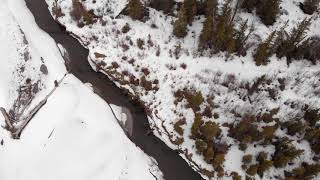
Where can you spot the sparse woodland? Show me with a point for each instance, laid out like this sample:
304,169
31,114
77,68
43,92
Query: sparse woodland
255,116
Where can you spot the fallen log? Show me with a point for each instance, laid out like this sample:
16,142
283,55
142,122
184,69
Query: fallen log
35,110
9,126
17,133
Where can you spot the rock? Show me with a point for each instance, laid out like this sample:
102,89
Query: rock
44,69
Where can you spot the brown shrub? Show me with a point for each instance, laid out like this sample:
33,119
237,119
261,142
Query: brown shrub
178,128
126,28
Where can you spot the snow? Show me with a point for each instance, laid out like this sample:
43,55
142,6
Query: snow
206,74
75,135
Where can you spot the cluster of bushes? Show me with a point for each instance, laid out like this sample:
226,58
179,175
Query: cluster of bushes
205,134
213,153
306,171
312,135
285,152
194,99
263,164
266,10
247,131
80,14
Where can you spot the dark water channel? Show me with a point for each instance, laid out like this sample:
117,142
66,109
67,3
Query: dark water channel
170,163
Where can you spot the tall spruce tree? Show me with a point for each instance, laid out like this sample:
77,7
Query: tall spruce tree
264,50
290,42
207,33
180,25
190,8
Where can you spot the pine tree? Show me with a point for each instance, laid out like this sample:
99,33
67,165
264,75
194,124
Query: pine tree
207,33
241,37
163,5
309,6
210,7
190,8
224,40
268,11
180,25
136,9
264,50
249,5
289,43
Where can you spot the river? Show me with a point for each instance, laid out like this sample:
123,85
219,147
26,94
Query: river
170,163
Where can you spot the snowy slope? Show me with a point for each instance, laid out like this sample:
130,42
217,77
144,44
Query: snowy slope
165,64
75,135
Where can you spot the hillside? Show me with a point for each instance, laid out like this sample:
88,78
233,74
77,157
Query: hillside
234,87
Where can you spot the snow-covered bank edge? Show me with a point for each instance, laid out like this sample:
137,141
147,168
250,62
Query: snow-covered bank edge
67,139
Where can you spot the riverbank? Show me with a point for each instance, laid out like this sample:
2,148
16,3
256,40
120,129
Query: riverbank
170,163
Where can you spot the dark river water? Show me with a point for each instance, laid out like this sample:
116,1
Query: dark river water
170,163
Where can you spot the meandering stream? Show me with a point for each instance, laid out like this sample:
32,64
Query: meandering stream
170,163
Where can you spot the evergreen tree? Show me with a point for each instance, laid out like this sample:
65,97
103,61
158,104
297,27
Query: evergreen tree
163,5
207,33
241,37
249,5
190,8
309,6
136,9
210,7
224,34
180,25
268,11
288,43
264,50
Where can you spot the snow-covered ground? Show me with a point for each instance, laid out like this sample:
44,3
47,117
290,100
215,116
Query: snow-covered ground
74,135
155,72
